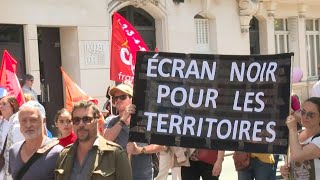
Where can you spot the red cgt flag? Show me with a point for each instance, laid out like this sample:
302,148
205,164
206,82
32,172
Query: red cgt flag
8,77
73,92
125,42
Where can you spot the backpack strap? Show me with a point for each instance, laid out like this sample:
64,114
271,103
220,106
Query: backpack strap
49,146
4,146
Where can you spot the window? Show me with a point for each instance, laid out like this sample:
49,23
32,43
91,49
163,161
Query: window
143,22
202,32
281,35
254,35
312,46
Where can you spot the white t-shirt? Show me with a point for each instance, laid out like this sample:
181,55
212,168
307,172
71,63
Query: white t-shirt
315,91
307,170
11,129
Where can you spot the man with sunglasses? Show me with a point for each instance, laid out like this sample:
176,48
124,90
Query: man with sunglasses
91,156
117,130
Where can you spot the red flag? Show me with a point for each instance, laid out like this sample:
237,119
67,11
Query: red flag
73,92
8,77
125,42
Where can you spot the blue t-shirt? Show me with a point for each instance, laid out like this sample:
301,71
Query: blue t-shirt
123,137
49,134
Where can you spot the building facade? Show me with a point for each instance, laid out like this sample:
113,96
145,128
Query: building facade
46,34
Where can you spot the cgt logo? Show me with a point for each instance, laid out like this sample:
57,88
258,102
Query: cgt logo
126,57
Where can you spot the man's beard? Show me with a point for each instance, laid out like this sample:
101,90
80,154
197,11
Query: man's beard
32,135
86,136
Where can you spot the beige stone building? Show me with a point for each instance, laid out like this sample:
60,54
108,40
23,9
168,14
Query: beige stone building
46,34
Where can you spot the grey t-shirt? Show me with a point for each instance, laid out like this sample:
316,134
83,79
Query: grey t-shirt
123,136
41,169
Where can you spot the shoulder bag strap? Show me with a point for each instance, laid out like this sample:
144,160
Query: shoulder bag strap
317,135
34,158
4,146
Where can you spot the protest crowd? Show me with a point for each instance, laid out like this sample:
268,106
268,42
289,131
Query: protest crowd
165,122
82,152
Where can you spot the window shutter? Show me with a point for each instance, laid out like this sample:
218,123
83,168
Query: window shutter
202,33
294,38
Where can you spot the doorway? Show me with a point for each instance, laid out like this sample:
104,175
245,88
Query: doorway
254,36
12,40
50,74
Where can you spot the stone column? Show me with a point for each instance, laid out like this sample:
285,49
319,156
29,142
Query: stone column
267,40
32,54
302,56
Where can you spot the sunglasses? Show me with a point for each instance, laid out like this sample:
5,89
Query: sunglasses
308,114
122,97
85,120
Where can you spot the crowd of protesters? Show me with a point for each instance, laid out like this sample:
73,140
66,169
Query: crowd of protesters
83,151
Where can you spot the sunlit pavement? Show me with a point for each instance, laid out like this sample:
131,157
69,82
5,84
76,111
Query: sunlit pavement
228,170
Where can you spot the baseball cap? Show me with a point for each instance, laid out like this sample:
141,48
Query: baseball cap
123,88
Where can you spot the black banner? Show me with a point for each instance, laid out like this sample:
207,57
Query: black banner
224,102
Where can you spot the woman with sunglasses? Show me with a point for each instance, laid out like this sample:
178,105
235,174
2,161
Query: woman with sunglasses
305,145
9,130
295,111
63,122
27,86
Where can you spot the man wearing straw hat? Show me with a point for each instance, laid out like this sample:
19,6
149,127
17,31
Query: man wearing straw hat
118,131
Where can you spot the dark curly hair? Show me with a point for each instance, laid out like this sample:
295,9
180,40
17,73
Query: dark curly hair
86,104
316,101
